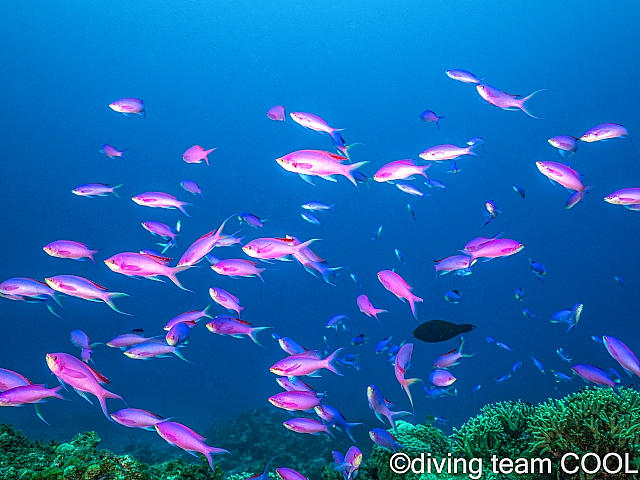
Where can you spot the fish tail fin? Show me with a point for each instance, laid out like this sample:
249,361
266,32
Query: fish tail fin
115,194
347,428
181,208
201,195
412,302
330,362
306,244
109,301
521,104
102,397
36,406
395,416
178,354
352,167
253,332
205,153
172,276
407,384
92,253
56,393
577,196
348,147
47,303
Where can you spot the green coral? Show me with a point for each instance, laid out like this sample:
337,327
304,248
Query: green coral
501,429
79,459
593,420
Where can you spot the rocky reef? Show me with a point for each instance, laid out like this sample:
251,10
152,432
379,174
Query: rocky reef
20,459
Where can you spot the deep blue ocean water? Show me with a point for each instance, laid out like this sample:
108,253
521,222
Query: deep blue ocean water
208,72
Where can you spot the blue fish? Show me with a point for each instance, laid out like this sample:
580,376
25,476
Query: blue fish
537,363
383,344
539,270
454,168
355,278
359,340
563,355
437,392
504,346
516,366
503,378
561,377
519,294
520,191
620,281
411,211
475,389
376,235
527,313
453,296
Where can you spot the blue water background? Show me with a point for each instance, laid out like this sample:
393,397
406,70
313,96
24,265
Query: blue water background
208,72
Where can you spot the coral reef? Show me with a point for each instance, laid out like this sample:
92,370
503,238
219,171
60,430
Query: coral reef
257,436
80,460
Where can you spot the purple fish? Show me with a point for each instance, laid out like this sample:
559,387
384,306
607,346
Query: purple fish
295,400
605,132
251,220
463,76
10,379
441,378
201,247
160,200
595,375
70,249
136,418
91,190
430,116
629,197
566,144
277,113
289,474
183,437
380,407
191,187
153,349
505,101
622,354
307,425
179,333
439,153
384,439
112,152
128,105
81,340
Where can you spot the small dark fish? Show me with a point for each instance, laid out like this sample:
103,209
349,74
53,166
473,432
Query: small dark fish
411,211
360,177
504,378
435,331
519,293
597,339
538,269
490,340
355,278
520,191
376,235
504,346
475,389
453,296
620,281
359,340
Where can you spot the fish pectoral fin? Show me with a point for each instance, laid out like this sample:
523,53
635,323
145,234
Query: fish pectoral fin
306,178
331,178
83,395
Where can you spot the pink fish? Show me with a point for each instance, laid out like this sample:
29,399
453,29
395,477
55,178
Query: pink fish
293,401
136,418
622,354
164,231
69,249
91,190
81,377
380,407
307,425
463,76
451,358
400,288
126,340
447,152
289,474
160,200
306,363
277,113
17,396
225,299
196,154
183,437
85,289
112,152
29,290
190,318
201,247
566,144
155,348
134,265
191,187
10,379
293,384
479,241
236,268
505,101
595,375
453,264
605,132
364,304
441,378
626,197
128,105
223,325
567,177
319,163
274,248
400,170
228,241
81,340
313,122
400,366
501,247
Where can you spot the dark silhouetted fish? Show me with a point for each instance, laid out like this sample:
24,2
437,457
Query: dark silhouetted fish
435,331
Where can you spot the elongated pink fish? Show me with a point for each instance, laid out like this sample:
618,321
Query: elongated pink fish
127,106
307,425
605,131
126,340
293,401
622,354
134,264
137,418
313,122
16,396
595,375
69,249
226,300
452,264
627,196
293,384
447,152
380,407
83,288
501,247
306,363
463,76
236,268
479,241
505,101
183,437
223,325
400,288
29,290
441,378
196,154
566,144
567,177
91,190
10,379
191,318
81,377
451,358
289,474
277,113
160,200
400,366
153,349
399,170
201,247
319,163
364,304
112,152
274,248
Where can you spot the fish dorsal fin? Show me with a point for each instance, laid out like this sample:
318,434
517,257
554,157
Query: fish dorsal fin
157,258
99,377
96,284
207,235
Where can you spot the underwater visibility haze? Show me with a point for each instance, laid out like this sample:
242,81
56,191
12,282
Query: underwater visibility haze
420,82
